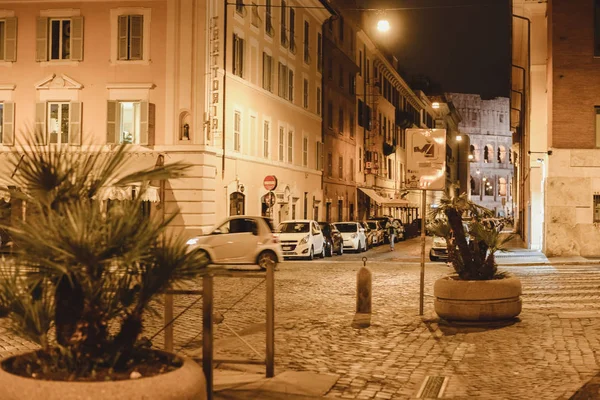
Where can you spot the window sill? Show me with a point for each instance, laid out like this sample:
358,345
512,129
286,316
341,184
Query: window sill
130,62
55,63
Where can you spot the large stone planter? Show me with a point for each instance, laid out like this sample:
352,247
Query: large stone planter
492,300
185,383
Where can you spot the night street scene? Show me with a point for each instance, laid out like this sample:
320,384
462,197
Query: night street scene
299,199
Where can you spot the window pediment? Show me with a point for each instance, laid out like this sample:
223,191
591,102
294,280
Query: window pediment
60,81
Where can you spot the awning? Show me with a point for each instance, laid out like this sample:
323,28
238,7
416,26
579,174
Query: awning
382,201
127,192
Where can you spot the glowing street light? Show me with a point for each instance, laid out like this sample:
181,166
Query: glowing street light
435,105
383,25
470,156
458,138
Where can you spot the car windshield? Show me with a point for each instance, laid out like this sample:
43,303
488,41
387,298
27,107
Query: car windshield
372,224
294,227
346,227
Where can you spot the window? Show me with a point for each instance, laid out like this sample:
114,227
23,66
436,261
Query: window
329,68
318,101
8,39
352,125
59,39
283,31
305,94
290,155
330,115
596,208
352,169
291,85
329,165
281,143
341,167
596,31
351,84
501,154
341,77
129,122
129,125
239,6
360,159
320,154
306,42
488,152
237,122
267,72
341,121
286,82
131,41
341,26
597,108
253,135
269,18
7,123
501,118
255,16
59,118
238,56
319,52
502,186
266,128
305,151
360,62
389,168
489,187
292,30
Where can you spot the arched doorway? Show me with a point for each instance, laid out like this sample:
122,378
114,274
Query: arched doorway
237,203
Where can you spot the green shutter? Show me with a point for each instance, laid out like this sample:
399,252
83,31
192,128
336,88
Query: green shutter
8,124
10,40
144,122
136,34
112,117
77,38
41,40
40,123
75,123
122,32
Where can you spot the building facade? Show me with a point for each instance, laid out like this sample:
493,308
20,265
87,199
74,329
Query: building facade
487,125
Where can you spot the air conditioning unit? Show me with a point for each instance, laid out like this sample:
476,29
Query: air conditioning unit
368,165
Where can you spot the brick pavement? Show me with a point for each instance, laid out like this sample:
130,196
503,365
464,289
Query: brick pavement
549,354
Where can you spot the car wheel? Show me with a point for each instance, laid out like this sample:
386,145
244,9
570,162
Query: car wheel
341,251
330,250
311,254
265,258
322,255
204,253
433,258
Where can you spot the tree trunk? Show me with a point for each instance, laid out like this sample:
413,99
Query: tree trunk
455,221
68,309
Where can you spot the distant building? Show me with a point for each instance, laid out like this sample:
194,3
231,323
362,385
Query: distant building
486,123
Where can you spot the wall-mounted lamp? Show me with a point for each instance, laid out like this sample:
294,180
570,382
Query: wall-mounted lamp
435,105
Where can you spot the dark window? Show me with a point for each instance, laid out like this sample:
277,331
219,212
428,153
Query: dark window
597,28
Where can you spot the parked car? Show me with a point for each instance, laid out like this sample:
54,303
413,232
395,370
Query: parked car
301,239
439,250
379,232
369,234
353,234
240,240
334,243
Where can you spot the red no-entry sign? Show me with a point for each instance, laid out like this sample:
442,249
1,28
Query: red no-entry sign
270,182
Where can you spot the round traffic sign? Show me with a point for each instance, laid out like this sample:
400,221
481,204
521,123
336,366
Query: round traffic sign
270,182
270,199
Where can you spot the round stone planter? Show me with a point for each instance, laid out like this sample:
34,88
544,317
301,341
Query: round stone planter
492,300
185,383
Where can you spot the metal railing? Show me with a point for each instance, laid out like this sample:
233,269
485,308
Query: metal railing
207,296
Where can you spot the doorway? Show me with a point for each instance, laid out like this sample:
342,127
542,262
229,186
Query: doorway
237,203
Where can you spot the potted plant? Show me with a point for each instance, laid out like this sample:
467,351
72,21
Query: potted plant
477,291
82,275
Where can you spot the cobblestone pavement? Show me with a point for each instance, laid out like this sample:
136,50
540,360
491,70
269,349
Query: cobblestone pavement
550,353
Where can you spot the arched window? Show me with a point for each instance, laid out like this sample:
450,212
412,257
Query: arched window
510,183
502,186
501,155
489,187
510,157
488,152
473,151
474,187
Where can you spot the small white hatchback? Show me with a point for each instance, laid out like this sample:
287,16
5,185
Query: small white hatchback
240,240
301,238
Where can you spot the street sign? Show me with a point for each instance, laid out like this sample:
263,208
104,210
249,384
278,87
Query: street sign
270,182
270,199
426,159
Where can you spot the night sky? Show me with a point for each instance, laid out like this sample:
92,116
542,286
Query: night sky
460,48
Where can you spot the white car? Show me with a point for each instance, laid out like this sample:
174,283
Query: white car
353,234
240,240
301,239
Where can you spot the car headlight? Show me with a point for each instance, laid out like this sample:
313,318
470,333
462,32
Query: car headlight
305,239
192,242
354,236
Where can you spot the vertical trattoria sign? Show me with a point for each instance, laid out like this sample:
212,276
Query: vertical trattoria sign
426,159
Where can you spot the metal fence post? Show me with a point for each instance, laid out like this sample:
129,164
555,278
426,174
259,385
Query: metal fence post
207,333
168,315
270,361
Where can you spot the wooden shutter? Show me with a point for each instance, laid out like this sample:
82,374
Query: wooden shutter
8,123
77,38
10,39
112,118
41,40
75,123
144,122
40,123
136,37
122,33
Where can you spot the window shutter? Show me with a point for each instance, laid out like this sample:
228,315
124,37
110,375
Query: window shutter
77,38
136,33
8,124
112,113
75,123
40,123
10,40
122,32
41,40
144,122
291,85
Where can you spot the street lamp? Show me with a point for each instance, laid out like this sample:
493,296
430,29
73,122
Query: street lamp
383,25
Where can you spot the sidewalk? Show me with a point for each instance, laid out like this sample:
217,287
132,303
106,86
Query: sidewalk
519,255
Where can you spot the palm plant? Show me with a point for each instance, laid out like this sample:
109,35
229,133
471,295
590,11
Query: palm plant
470,253
81,276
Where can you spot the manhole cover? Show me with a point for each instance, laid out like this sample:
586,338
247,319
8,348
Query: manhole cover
433,387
